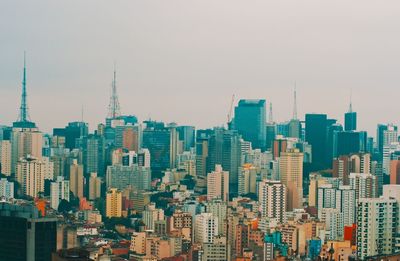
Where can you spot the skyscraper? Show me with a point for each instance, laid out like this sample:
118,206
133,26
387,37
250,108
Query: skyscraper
133,176
376,226
59,190
76,179
113,203
291,171
94,154
218,184
350,119
206,228
24,235
272,197
250,122
316,129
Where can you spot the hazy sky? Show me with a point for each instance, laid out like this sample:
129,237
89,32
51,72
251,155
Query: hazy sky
182,60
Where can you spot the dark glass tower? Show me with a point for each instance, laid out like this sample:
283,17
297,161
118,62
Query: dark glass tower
346,142
24,236
350,121
250,121
316,136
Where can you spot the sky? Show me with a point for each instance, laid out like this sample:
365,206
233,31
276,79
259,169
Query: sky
182,60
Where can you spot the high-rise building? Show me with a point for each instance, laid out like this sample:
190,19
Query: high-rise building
219,209
202,140
186,134
247,179
162,143
346,142
218,184
151,214
128,137
24,235
316,136
364,184
225,148
133,176
59,190
250,120
6,189
72,132
291,172
206,228
350,119
395,171
377,221
76,179
5,157
31,174
272,199
94,186
270,135
216,251
25,142
113,203
94,154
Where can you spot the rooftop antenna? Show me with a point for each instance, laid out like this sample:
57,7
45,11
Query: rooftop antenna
351,103
295,103
114,109
23,110
270,117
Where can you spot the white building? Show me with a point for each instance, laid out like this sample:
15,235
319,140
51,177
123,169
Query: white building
6,189
365,185
376,226
206,228
5,157
218,184
151,214
272,200
59,190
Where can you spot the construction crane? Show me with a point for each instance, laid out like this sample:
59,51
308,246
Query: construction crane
230,111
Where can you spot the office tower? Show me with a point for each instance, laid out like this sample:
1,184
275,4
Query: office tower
316,129
282,129
270,135
6,189
291,172
272,199
386,134
24,235
128,137
395,171
247,180
151,214
216,251
376,227
206,228
94,186
74,131
25,142
218,184
346,204
94,154
31,174
161,141
59,190
346,142
350,119
331,139
113,203
202,140
280,144
5,157
141,158
390,152
225,149
133,176
364,184
294,123
250,120
76,179
186,134
24,121
219,209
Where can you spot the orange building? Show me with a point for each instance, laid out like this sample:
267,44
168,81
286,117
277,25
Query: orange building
395,172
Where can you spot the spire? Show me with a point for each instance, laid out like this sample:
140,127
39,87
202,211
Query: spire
270,117
294,103
23,110
113,108
351,103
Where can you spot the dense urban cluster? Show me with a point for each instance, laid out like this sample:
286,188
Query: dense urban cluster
255,189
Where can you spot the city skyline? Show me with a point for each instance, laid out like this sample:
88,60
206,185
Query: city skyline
201,63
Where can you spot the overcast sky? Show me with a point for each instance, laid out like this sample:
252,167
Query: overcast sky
182,60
